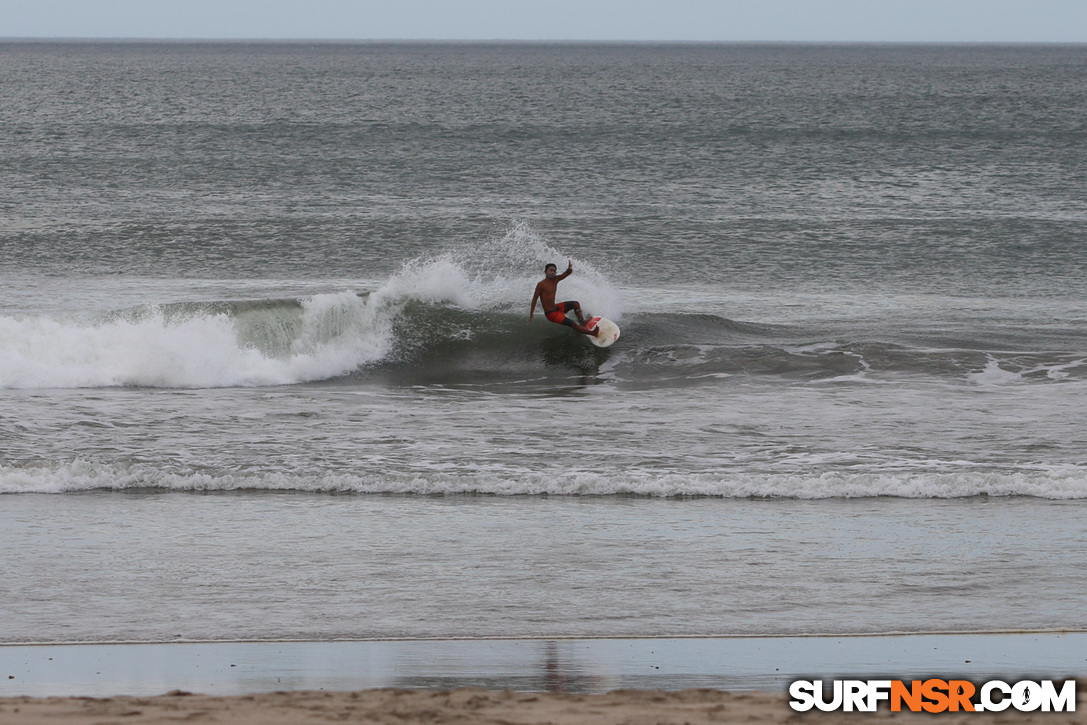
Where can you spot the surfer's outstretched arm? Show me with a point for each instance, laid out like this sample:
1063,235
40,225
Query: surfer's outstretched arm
569,269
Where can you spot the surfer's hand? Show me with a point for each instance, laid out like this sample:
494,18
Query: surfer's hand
569,266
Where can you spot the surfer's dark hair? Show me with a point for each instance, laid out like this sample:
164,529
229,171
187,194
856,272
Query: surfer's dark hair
549,265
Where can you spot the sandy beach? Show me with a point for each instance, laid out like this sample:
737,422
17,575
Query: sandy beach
463,706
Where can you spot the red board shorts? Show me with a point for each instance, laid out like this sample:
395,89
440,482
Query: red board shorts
558,315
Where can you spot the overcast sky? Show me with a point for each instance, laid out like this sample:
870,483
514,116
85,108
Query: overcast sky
699,20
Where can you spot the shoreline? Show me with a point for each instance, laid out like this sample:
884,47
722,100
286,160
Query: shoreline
546,638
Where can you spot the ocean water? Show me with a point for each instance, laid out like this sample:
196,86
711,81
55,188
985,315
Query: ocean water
266,368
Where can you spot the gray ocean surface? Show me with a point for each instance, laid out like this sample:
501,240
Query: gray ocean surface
266,369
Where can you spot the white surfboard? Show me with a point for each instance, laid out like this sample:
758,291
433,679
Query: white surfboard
609,331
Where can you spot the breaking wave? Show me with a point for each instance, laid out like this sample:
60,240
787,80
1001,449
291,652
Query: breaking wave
405,337
430,302
456,317
1050,482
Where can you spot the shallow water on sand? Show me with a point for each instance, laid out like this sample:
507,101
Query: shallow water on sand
570,665
162,566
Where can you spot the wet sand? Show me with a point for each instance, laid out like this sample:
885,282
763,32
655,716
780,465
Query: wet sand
465,706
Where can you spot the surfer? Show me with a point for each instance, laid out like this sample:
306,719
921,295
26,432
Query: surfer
545,293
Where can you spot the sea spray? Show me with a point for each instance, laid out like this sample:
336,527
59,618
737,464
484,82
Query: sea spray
499,274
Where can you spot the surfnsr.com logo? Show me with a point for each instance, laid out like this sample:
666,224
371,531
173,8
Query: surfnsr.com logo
934,695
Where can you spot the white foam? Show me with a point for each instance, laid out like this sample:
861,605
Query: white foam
201,351
993,374
1056,482
996,374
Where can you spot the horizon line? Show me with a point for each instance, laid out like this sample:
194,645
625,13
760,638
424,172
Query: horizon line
510,41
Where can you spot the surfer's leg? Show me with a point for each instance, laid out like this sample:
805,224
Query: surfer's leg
576,307
558,315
